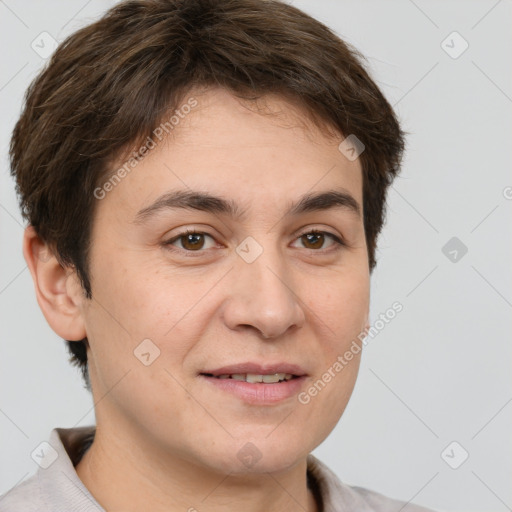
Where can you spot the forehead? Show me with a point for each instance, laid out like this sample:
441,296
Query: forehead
267,152
221,120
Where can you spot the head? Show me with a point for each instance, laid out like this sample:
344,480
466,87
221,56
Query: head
222,118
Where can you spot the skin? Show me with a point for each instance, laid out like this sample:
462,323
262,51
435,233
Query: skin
166,439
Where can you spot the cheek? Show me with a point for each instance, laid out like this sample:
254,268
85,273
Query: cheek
139,298
341,315
343,310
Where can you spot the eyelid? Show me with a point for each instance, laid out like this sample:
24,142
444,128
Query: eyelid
188,231
338,240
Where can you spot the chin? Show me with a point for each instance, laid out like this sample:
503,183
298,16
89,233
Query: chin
257,455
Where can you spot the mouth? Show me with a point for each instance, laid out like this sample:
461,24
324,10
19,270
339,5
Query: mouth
256,383
253,378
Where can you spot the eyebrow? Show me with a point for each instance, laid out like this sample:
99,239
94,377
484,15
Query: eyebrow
203,201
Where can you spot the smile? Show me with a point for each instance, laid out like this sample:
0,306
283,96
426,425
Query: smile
253,378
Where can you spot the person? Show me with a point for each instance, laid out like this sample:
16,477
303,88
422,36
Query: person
204,183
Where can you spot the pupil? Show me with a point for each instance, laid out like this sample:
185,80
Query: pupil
311,239
194,240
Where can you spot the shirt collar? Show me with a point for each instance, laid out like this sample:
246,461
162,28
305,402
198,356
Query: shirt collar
59,484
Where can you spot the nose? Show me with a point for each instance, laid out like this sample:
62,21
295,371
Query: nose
263,296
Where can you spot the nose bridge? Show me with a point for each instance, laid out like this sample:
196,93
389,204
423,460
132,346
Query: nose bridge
263,294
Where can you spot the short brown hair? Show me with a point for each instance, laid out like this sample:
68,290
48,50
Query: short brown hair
109,85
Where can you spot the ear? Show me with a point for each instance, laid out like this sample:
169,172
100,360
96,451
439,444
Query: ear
58,289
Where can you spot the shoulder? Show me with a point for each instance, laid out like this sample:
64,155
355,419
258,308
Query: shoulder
381,503
337,496
55,485
24,497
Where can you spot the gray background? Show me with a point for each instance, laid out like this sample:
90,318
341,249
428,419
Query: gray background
440,371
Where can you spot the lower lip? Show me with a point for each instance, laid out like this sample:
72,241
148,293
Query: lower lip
259,392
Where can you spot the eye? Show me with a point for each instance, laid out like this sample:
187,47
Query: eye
191,241
315,239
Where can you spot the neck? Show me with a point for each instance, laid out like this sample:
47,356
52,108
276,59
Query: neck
142,479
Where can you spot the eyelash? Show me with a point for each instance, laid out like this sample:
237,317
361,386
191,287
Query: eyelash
339,243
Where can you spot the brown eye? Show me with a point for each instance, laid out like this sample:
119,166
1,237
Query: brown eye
191,241
315,239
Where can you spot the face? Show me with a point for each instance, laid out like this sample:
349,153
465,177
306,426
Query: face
188,292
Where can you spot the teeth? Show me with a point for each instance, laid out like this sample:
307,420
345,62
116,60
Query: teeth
273,378
255,378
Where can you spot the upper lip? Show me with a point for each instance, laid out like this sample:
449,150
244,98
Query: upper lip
257,369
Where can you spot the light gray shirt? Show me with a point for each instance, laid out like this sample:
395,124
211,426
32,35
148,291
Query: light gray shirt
56,487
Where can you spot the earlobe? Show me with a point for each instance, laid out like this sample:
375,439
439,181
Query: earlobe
57,288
